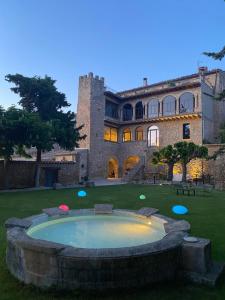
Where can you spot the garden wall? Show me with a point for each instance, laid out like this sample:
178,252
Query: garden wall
21,173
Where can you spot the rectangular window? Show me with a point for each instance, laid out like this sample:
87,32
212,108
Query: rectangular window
186,131
111,134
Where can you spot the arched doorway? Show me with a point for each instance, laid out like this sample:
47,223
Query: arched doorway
130,162
113,168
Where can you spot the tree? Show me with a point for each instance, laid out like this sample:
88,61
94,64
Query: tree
218,56
39,135
40,96
167,155
187,152
12,137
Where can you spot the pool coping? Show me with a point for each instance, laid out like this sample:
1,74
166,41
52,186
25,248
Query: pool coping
16,233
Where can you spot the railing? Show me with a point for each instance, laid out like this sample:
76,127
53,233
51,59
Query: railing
149,119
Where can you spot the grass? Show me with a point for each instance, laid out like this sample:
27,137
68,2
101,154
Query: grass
207,218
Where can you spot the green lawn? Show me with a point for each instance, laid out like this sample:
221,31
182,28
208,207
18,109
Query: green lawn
207,218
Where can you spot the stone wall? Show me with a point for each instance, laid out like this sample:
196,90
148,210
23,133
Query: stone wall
21,173
219,172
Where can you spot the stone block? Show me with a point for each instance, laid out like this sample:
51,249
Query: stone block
177,226
147,211
103,208
15,222
196,257
54,211
210,278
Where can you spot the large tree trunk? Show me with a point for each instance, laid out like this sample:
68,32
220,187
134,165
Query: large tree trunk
170,172
37,169
184,170
6,173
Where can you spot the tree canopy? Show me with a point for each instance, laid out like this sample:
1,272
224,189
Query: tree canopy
216,55
182,152
187,152
38,95
48,123
12,132
51,125
167,155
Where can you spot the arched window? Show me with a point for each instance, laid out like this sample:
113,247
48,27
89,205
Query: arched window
153,136
127,112
139,110
139,134
187,103
153,108
127,135
169,105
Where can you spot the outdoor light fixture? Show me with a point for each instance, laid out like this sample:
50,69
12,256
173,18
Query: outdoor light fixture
64,207
81,194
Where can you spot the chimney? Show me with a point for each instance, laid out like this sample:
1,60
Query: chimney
202,70
145,81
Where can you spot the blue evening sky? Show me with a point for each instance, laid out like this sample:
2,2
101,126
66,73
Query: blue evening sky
121,40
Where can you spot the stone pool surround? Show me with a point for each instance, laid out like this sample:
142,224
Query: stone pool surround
52,265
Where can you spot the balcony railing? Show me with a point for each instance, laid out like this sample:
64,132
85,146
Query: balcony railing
184,115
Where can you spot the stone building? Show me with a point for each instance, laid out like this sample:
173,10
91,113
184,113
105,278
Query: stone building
124,129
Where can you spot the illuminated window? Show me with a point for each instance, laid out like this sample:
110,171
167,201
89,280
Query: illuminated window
127,135
139,134
110,134
153,136
186,131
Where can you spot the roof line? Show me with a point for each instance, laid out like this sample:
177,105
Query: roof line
166,81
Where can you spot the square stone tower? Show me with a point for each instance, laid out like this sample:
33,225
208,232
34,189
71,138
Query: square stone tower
90,113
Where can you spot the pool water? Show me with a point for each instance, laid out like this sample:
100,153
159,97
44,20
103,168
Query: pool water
99,231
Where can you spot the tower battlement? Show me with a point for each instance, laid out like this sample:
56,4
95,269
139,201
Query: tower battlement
91,77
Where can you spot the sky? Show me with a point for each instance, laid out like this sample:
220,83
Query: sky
121,40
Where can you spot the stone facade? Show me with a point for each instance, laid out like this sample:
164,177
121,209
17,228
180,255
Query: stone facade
99,110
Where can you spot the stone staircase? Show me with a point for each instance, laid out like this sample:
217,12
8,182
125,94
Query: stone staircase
136,171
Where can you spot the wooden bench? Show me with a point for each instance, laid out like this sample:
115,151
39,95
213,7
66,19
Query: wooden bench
205,188
185,190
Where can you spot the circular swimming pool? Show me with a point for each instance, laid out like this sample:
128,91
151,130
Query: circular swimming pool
99,231
89,251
